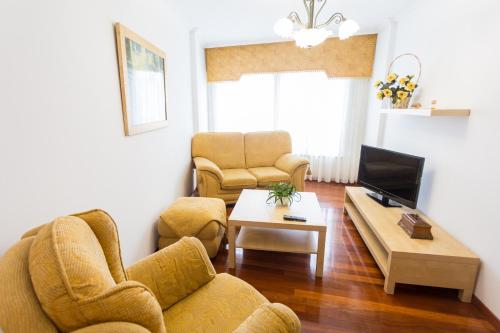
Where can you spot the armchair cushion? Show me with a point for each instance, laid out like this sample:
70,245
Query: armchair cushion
175,271
276,318
203,164
238,178
72,281
262,149
219,306
289,163
268,175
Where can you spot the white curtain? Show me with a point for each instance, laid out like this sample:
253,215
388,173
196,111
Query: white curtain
324,116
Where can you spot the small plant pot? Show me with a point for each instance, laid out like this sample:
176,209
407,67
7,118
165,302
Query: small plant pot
283,202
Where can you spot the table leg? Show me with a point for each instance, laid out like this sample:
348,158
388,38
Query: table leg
320,256
231,258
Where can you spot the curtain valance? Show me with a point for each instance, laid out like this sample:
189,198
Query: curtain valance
338,58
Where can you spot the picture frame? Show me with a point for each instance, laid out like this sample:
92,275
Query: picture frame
142,71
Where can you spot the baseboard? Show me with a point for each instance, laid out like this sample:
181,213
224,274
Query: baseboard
490,316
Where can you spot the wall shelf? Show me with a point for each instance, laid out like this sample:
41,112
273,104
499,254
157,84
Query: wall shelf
428,112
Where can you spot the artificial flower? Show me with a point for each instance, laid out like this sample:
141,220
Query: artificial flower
392,77
380,95
387,92
411,86
377,83
403,80
402,94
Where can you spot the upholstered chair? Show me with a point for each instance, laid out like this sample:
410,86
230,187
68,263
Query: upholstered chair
67,276
227,163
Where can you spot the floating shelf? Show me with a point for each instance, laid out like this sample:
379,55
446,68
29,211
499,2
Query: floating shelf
428,112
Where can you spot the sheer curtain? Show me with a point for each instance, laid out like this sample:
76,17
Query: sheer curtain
325,117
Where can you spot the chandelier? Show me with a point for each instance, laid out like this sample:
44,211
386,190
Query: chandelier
313,33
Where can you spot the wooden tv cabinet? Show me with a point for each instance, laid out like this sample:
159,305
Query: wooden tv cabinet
442,262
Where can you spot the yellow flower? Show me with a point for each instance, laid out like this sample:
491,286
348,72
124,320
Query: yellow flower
387,92
411,86
392,77
377,83
402,94
380,95
403,80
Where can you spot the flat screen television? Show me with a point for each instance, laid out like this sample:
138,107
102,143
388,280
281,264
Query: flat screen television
391,175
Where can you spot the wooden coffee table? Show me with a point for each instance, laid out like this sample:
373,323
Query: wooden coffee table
263,227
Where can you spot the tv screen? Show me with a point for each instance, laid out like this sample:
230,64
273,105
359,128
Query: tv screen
392,175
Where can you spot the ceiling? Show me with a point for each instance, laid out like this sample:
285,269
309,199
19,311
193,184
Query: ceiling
226,22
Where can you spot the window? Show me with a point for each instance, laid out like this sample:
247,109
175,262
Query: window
309,105
324,116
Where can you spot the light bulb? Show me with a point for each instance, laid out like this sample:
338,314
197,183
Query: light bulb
306,38
284,28
347,29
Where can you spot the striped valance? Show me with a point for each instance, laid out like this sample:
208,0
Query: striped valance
338,58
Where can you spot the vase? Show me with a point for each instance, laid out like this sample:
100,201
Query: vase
401,104
286,202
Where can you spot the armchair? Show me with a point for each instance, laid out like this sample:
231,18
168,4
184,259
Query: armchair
173,290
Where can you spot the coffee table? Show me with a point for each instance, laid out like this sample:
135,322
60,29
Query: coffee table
263,227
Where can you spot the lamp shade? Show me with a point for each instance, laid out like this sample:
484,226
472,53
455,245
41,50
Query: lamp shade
348,28
284,28
306,38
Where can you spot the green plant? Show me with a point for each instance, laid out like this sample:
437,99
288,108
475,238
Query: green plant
280,191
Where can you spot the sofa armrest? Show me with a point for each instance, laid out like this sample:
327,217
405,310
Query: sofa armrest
114,327
203,164
174,272
289,163
276,318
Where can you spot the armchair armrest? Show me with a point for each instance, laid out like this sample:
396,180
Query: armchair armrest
113,327
275,317
203,164
289,163
174,272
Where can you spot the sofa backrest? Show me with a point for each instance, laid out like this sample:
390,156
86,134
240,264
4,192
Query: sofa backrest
227,150
263,149
20,310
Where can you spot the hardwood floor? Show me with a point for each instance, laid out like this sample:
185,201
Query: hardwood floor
350,296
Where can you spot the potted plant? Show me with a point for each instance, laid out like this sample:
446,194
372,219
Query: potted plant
283,194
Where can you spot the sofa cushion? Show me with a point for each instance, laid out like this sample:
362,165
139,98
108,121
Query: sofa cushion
262,149
219,306
72,281
238,178
226,150
268,175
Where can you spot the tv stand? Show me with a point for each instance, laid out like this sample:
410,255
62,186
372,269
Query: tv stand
442,262
383,200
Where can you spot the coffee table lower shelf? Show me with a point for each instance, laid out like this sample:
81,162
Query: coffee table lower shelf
279,240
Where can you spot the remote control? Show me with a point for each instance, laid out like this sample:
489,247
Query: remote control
294,218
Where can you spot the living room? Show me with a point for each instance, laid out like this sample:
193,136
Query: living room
251,111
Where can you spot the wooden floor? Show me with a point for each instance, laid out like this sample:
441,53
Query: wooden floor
350,296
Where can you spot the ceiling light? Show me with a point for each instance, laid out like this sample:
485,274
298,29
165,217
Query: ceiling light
307,38
313,33
347,29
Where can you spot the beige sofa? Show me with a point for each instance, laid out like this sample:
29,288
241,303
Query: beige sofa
227,163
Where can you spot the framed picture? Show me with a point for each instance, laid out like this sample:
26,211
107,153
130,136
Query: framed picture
142,82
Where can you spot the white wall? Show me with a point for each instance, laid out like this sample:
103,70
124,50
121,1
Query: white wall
199,82
62,144
458,45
